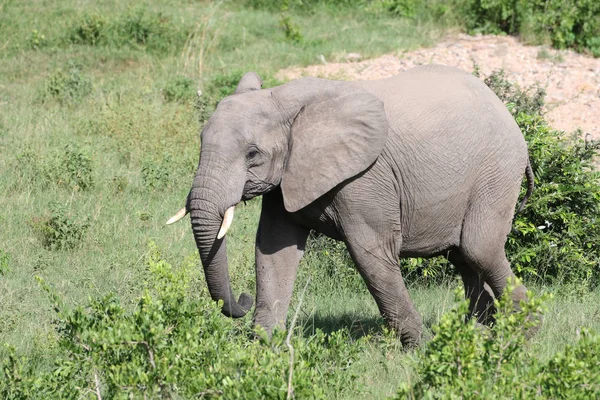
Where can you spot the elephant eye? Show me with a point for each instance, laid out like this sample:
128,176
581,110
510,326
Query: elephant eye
252,154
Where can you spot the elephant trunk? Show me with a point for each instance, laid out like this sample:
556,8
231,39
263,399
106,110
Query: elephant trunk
206,216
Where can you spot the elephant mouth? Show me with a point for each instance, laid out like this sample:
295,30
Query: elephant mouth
252,189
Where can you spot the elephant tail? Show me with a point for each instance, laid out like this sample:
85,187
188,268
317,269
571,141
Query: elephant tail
530,185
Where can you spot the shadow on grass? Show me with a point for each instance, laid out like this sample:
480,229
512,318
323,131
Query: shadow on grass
356,325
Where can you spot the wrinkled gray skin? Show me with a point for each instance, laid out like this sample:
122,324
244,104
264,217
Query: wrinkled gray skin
428,162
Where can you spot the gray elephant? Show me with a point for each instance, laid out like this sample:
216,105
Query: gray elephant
425,163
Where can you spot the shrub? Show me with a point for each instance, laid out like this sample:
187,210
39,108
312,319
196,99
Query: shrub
141,28
174,344
59,230
76,168
72,168
67,86
90,30
528,101
565,23
464,360
178,89
402,8
569,23
37,40
290,29
156,174
138,28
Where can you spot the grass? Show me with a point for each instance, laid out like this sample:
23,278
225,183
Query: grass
126,112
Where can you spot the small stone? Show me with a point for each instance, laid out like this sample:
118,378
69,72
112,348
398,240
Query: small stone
353,57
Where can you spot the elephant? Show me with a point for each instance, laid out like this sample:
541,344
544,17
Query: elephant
425,163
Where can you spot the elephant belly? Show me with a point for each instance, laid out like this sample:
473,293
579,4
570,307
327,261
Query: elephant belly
429,241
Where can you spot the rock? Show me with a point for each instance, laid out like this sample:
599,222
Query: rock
353,57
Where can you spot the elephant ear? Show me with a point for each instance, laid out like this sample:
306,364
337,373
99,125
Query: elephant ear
250,81
331,140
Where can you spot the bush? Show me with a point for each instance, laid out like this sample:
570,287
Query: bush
138,28
290,29
156,174
37,40
59,230
67,86
142,28
90,30
464,360
71,167
570,23
75,169
565,23
178,89
174,344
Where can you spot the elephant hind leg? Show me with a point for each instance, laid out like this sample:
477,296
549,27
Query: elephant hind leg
482,248
479,293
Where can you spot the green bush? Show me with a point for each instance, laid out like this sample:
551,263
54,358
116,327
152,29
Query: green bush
37,40
467,361
75,169
565,23
156,174
90,30
403,8
529,101
570,23
67,85
175,343
142,28
70,167
290,29
178,89
138,27
59,230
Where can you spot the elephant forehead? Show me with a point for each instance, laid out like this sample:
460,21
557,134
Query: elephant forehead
250,103
235,123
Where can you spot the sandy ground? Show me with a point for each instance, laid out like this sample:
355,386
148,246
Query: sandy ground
572,80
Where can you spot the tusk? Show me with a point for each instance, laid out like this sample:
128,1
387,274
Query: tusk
180,214
227,220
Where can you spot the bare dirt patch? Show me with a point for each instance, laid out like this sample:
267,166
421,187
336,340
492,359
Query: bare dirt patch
572,80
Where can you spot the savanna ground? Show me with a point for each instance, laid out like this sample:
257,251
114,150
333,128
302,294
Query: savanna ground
99,141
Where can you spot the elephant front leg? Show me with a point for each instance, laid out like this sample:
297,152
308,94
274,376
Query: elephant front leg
279,247
378,265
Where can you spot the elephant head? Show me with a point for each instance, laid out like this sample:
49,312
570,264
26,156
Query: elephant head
306,136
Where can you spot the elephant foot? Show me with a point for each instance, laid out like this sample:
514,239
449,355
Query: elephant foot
534,320
409,333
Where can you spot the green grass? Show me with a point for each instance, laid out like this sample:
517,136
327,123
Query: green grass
142,144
